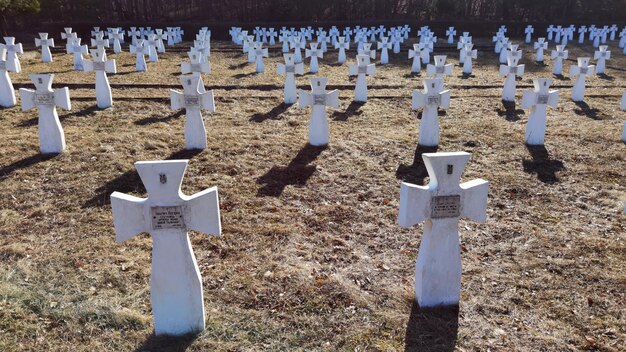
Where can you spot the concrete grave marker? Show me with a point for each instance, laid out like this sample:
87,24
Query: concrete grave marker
538,101
77,50
384,46
193,101
440,69
582,70
319,99
601,55
314,53
101,66
470,54
100,42
342,45
540,46
67,34
13,61
361,69
290,69
167,214
461,45
272,36
581,34
140,50
153,56
450,33
558,56
117,37
529,33
440,205
550,30
416,54
134,35
259,53
161,38
367,50
510,71
297,44
196,67
505,52
43,98
433,97
7,93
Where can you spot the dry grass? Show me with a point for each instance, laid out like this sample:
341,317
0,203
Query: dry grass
312,257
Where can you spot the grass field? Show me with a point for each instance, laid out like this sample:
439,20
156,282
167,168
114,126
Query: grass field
312,257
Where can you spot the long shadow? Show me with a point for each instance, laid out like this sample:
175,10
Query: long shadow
509,112
167,343
184,154
412,75
466,76
415,173
128,182
297,172
542,165
585,110
272,114
432,329
354,109
244,75
238,66
560,77
78,113
7,170
155,119
605,77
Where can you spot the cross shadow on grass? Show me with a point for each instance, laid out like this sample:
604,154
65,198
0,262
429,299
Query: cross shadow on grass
605,77
585,110
154,119
354,109
272,114
238,66
297,172
510,113
542,165
432,329
128,182
78,113
7,170
244,75
415,173
167,343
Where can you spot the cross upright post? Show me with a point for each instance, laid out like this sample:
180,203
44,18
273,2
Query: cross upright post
433,97
101,66
582,70
361,69
193,101
538,101
318,99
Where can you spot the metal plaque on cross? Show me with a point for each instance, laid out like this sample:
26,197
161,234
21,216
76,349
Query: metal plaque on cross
46,99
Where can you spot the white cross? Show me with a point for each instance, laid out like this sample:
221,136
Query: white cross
259,53
140,50
297,44
13,62
510,71
433,97
540,46
319,99
101,66
464,40
361,69
314,53
439,69
45,45
175,284
73,47
134,34
290,69
582,70
51,137
193,101
67,34
416,54
529,32
342,45
196,67
152,48
100,42
7,92
538,100
601,55
468,53
441,204
116,37
451,32
161,37
366,49
558,56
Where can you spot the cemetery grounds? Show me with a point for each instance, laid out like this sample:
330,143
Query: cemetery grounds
312,257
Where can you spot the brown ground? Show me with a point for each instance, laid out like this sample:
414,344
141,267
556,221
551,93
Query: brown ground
312,257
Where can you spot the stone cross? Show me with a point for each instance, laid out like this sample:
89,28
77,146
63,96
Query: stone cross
396,40
272,36
529,33
73,47
314,53
7,92
100,42
540,46
161,38
51,137
297,44
428,48
469,53
290,69
193,101
13,61
361,69
441,204
101,66
45,45
538,101
504,51
285,39
203,49
366,49
153,56
510,71
96,31
582,70
558,56
259,53
439,69
550,31
175,284
342,45
601,55
134,34
116,37
460,45
558,32
196,67
433,97
512,51
581,34
68,35
319,99
384,46
613,30
451,32
416,54
140,50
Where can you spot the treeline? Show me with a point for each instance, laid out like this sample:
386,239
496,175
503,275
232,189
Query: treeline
251,11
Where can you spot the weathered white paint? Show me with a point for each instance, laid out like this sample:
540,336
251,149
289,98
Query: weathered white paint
193,101
538,101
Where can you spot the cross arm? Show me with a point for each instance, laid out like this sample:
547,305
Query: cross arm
62,98
177,100
528,99
208,101
110,67
445,99
28,99
414,204
332,99
305,99
553,98
353,70
129,216
418,100
474,204
203,212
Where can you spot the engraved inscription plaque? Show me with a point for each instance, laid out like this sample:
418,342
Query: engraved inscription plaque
78,49
561,54
584,70
3,65
514,70
98,66
167,218
363,70
319,99
192,101
434,100
196,68
445,207
542,99
440,69
46,99
290,69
